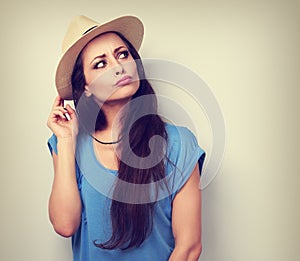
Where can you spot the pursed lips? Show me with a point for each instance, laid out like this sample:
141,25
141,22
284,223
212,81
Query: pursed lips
124,81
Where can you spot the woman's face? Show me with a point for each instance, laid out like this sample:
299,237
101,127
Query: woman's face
109,69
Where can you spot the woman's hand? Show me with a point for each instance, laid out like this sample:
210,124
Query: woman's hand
64,202
58,122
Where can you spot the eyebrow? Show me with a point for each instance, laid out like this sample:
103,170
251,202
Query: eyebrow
104,55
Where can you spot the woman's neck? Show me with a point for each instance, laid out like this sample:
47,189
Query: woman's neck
112,114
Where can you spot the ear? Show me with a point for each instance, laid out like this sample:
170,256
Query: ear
87,91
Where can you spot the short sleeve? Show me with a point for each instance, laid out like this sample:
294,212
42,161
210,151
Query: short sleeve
184,154
52,144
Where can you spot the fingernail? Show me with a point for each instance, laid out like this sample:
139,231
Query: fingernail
67,116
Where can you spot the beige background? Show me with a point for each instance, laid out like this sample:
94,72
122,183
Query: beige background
246,51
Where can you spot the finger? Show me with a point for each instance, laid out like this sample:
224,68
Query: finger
57,102
63,111
60,108
58,113
71,111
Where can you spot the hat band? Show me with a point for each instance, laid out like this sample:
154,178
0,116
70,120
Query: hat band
90,29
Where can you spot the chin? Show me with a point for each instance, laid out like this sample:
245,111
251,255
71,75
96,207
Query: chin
125,92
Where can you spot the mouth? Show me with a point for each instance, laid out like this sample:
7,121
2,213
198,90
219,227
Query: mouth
123,81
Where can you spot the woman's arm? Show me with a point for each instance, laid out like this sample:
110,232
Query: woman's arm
64,202
186,220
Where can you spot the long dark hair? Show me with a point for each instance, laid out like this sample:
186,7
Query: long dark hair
131,223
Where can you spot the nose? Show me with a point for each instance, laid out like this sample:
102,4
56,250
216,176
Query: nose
117,68
118,72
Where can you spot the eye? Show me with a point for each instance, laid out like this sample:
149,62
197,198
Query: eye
100,64
123,54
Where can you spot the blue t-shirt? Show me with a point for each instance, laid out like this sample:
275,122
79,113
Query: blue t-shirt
95,182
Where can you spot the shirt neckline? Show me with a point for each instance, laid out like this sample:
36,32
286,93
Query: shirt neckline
91,146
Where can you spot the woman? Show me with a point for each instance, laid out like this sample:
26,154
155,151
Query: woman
125,187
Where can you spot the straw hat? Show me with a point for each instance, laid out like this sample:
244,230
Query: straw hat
82,30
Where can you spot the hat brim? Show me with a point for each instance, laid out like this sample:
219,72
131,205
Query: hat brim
129,26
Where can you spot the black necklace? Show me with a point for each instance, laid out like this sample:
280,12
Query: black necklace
106,143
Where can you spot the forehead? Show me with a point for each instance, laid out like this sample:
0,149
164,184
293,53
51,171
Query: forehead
102,44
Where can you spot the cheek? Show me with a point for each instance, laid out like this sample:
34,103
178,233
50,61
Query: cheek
98,78
103,92
101,86
136,77
131,69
